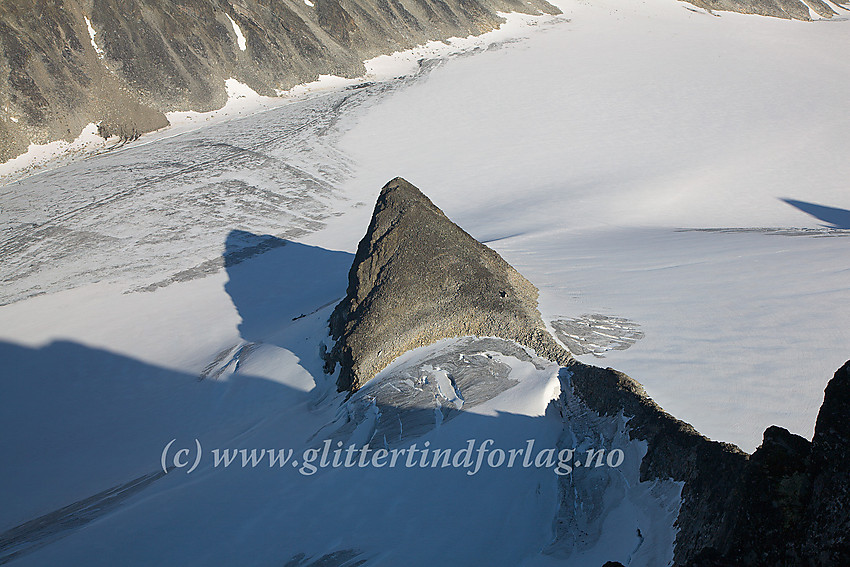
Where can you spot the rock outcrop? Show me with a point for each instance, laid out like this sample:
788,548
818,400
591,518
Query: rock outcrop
149,57
795,495
786,504
827,538
710,471
417,278
787,9
53,82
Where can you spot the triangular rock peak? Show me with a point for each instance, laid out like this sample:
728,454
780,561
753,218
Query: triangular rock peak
417,278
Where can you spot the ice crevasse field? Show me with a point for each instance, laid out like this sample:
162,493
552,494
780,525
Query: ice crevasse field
673,181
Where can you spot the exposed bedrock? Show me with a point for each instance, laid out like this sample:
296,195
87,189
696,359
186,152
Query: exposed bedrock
675,450
795,495
148,57
418,278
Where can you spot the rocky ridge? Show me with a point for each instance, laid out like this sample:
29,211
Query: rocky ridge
795,494
122,65
786,9
67,63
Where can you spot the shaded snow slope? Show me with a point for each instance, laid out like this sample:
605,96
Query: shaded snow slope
95,408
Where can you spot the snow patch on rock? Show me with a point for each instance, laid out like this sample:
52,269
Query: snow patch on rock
240,37
93,33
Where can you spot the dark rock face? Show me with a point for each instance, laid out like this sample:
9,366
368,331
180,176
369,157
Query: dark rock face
711,471
774,493
827,538
158,56
786,504
794,504
417,278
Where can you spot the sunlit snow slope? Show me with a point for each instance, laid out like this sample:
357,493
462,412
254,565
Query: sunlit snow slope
582,155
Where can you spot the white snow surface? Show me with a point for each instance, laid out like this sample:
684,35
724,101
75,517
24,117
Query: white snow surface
92,34
585,154
39,156
581,154
240,37
242,100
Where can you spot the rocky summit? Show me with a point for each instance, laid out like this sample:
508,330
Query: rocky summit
417,278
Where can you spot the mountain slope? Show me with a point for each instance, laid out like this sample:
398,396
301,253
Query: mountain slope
122,64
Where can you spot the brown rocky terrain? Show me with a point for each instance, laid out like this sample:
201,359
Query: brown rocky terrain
160,56
787,9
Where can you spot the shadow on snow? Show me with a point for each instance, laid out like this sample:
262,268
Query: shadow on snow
834,217
84,430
